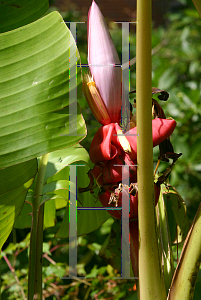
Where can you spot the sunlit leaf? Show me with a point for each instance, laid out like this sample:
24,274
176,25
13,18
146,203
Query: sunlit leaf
49,214
19,178
87,220
165,242
56,191
34,85
177,215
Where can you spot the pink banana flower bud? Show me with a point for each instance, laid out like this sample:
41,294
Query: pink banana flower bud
102,59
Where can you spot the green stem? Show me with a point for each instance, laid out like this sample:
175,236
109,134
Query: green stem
150,275
183,282
39,255
165,242
36,243
197,4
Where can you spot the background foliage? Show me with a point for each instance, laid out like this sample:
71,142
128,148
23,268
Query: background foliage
177,69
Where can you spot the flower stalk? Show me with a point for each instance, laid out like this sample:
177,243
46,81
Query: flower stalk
36,243
151,283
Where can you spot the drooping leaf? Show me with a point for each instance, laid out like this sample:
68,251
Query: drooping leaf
177,215
14,176
56,190
34,85
87,220
49,214
58,160
165,242
60,203
57,184
19,178
24,219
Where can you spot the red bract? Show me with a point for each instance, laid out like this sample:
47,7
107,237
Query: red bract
109,173
111,150
106,142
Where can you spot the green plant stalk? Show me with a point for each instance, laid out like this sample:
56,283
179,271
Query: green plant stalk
165,241
183,282
36,243
197,4
150,274
39,255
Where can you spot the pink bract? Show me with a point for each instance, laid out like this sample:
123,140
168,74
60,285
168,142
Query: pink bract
102,58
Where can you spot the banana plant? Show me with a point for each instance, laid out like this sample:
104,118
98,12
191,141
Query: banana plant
40,141
111,147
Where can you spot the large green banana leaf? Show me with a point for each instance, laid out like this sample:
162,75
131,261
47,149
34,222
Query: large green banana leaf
34,91
17,13
34,103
